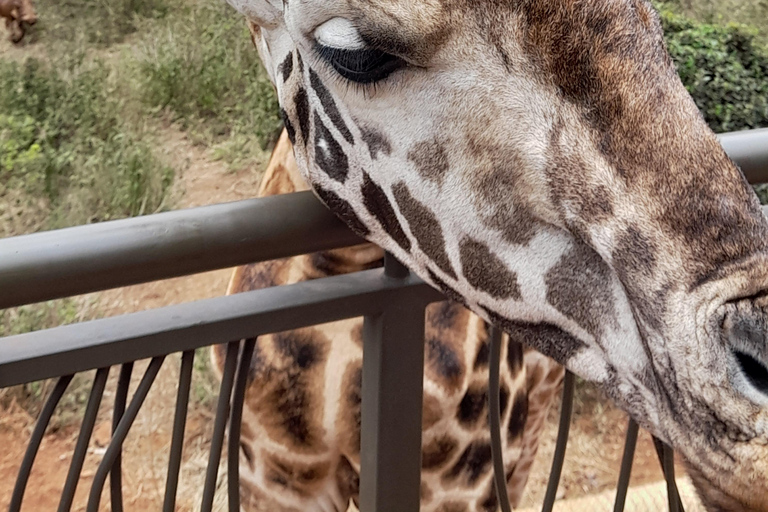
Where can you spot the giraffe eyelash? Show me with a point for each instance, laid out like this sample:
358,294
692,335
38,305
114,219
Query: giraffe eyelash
363,67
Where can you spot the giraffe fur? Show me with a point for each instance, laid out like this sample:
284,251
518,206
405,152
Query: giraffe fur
300,448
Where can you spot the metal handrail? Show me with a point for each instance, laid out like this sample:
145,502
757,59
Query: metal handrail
83,259
108,341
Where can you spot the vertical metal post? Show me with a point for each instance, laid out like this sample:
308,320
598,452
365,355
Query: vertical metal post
393,369
626,466
494,410
667,460
121,398
235,420
177,439
566,411
34,442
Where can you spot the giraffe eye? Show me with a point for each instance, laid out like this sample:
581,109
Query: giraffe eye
360,65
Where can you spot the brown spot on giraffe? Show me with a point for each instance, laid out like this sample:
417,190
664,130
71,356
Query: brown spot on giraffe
425,494
376,141
286,67
301,102
286,402
438,452
447,290
329,105
482,358
474,462
444,359
453,506
515,358
485,271
546,338
501,204
580,286
347,479
473,406
378,205
349,416
343,210
248,455
518,417
329,156
424,227
490,503
300,478
357,335
430,160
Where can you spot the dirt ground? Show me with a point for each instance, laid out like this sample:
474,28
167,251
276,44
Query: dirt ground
592,460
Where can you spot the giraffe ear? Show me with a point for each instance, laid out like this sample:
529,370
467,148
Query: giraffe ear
265,13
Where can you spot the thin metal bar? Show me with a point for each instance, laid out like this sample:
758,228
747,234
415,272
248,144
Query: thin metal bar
566,410
116,444
82,259
116,475
667,460
219,426
235,419
494,407
89,419
393,370
34,442
177,439
109,341
626,466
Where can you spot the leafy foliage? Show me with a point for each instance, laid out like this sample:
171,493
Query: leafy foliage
204,70
62,139
98,22
724,68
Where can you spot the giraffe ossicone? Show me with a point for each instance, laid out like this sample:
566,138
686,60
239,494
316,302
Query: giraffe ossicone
541,161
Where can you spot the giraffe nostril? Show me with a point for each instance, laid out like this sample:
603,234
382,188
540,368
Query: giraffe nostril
754,370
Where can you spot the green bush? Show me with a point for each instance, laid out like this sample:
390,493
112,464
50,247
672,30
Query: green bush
724,68
721,12
204,70
100,22
62,139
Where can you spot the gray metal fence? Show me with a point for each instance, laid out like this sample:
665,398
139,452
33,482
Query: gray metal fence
96,257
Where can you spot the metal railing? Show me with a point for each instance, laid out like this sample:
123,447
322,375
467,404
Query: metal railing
96,257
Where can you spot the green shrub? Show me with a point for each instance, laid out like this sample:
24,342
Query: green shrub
62,139
100,22
204,70
724,69
721,12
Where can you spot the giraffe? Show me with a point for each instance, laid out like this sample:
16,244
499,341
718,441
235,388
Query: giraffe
300,439
540,162
19,15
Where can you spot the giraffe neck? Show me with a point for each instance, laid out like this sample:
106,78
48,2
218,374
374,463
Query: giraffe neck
341,261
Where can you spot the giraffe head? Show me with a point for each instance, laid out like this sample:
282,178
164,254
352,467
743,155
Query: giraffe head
540,161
